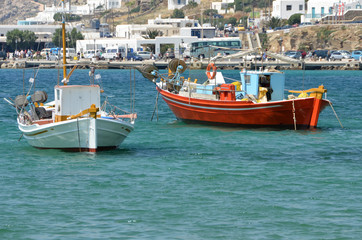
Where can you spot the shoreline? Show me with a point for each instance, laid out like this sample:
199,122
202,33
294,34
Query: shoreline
162,64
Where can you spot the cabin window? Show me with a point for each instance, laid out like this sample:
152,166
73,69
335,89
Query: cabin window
58,94
247,79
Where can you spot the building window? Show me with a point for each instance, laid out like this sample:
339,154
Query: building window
322,11
289,7
330,10
300,7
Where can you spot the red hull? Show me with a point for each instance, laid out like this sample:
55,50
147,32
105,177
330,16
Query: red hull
240,113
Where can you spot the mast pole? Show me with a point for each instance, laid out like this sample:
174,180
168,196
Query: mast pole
64,45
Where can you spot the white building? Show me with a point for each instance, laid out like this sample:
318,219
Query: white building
176,22
105,4
173,4
283,9
140,30
317,9
92,5
223,6
167,26
134,44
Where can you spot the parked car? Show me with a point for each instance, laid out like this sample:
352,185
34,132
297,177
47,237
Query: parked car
240,28
357,54
169,54
53,57
339,55
293,54
287,27
303,53
145,54
252,57
134,56
320,53
303,24
2,55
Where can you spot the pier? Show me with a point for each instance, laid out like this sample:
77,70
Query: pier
236,64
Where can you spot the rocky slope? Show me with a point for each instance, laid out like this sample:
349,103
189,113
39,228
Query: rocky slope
14,10
330,37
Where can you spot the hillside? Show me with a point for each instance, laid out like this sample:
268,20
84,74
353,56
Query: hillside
330,37
315,37
14,10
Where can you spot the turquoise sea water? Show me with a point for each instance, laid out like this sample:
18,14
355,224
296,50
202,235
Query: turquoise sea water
169,180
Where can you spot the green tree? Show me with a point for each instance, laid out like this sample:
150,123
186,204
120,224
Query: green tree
20,39
192,4
231,20
324,36
295,18
71,38
274,22
129,4
68,17
178,13
152,34
210,12
238,5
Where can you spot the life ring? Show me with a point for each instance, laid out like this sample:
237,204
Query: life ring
211,75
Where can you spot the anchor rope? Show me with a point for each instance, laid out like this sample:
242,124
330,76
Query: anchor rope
294,118
78,136
330,103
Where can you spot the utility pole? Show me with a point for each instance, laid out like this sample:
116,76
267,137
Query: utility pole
202,21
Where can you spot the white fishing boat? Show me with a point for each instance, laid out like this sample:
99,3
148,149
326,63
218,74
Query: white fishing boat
75,120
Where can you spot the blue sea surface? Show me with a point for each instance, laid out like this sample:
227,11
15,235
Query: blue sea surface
170,180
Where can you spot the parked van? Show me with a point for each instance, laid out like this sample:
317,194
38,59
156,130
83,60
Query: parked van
90,53
44,52
69,52
114,52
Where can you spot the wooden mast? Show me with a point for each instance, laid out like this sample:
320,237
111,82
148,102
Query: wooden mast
64,45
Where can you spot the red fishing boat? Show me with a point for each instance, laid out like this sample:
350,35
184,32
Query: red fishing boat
257,100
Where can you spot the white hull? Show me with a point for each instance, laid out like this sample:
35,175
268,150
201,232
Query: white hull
86,134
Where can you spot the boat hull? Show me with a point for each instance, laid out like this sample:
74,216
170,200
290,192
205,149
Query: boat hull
83,134
282,114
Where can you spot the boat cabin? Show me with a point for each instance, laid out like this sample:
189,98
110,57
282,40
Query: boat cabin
256,82
73,99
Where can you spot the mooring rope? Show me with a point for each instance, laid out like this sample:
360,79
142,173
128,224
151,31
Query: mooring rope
156,107
294,118
330,103
78,136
